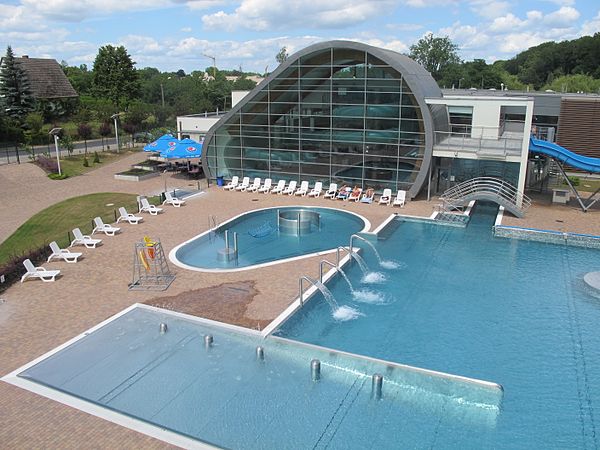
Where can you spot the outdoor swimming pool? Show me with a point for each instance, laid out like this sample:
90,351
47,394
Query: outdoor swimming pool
225,394
268,235
514,312
448,299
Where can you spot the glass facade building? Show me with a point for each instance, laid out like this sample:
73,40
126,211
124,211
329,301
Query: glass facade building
337,111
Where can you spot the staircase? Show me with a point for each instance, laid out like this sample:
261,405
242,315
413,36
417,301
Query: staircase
486,188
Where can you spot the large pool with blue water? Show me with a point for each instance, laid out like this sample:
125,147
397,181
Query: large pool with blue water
459,300
268,235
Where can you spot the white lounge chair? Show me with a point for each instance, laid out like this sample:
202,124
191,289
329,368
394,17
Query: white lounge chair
303,189
105,228
355,194
38,272
279,188
62,253
266,187
147,207
316,191
232,184
331,192
132,219
244,185
400,199
291,188
255,185
173,200
368,196
386,197
81,239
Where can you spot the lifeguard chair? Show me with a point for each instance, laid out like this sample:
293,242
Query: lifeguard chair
150,267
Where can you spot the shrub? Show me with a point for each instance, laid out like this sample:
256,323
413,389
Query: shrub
575,181
85,162
13,269
55,176
49,165
96,158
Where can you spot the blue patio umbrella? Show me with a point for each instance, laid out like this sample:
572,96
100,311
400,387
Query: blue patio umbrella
186,148
163,143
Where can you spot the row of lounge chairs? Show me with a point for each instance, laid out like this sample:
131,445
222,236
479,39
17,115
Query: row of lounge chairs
344,193
89,242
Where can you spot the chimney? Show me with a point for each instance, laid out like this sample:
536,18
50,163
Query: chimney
25,56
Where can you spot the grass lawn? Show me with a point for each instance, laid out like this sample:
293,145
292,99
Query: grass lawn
53,223
73,165
586,184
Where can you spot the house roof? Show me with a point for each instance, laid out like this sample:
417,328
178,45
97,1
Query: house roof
46,78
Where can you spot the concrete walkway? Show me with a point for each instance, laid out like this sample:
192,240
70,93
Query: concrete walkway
26,190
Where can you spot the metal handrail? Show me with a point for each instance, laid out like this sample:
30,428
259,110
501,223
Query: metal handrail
357,237
337,253
300,280
324,261
500,190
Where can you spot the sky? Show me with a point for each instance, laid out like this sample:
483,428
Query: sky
178,34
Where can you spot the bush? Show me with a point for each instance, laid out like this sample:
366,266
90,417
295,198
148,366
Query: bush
85,162
55,176
13,269
96,158
49,165
575,181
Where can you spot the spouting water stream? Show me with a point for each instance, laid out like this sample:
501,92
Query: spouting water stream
386,264
361,262
340,313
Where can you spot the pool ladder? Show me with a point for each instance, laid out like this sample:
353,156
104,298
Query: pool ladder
213,223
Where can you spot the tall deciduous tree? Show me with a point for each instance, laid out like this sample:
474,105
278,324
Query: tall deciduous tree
15,91
435,54
115,76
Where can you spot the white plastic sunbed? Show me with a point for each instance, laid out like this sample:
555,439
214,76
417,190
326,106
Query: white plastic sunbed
81,239
279,188
331,192
386,197
255,185
266,187
245,183
400,199
38,272
62,253
173,200
132,219
105,228
232,184
355,195
316,191
303,189
291,188
147,207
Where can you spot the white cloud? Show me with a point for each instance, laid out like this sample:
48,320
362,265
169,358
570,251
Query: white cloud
187,29
490,8
563,18
591,26
507,24
402,27
268,15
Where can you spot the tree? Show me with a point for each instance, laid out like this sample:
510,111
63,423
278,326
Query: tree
282,55
15,91
104,130
115,76
84,131
435,53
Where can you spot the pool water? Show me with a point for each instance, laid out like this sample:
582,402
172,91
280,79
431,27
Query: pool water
461,301
259,239
224,395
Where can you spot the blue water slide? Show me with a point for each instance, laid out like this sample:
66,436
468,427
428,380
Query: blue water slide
565,156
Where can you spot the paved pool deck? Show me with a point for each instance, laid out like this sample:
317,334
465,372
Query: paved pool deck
36,317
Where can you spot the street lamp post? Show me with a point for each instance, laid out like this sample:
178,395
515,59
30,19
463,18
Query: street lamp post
55,132
115,117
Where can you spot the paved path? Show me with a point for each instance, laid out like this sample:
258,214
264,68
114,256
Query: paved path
26,190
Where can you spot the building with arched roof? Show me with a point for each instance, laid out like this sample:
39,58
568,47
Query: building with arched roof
337,111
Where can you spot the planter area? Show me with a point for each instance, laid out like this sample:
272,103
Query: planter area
136,175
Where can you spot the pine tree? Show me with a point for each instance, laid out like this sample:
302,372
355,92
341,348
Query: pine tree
15,90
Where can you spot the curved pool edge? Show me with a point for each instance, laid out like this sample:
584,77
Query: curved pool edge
178,263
